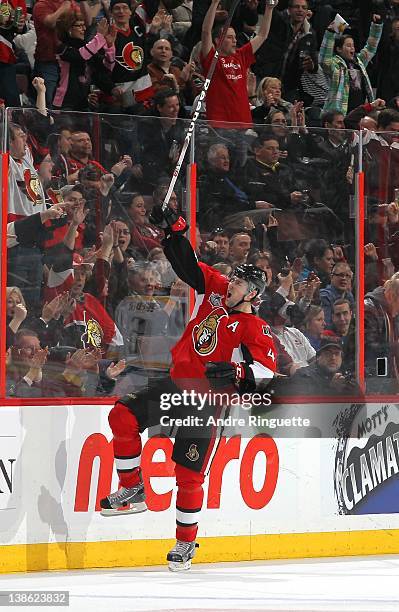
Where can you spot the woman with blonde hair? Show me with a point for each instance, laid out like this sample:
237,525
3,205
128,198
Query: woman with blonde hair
268,97
314,325
16,312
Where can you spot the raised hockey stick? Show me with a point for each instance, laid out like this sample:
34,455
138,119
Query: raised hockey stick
195,116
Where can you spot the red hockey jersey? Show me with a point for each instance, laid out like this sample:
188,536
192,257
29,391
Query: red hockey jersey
214,334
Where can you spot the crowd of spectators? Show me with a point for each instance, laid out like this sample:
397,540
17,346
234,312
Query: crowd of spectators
93,306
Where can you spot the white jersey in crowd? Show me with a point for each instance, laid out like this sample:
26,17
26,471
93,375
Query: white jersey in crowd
296,345
25,192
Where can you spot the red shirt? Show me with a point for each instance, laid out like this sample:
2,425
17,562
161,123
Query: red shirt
213,334
227,96
47,40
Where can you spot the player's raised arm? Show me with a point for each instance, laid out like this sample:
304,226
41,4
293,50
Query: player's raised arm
177,248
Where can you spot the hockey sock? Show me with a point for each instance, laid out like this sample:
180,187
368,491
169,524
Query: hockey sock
188,502
127,445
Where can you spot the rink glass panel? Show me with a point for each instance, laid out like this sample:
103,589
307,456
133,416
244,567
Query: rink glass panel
328,209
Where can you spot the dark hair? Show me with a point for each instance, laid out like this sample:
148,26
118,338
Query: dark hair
217,31
261,139
13,127
329,116
161,96
340,40
387,116
316,249
291,2
340,302
219,232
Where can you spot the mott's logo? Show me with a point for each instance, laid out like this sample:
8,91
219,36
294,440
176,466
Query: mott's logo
367,462
229,450
6,475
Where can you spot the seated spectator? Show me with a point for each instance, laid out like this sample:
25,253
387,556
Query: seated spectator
25,368
222,241
323,377
145,236
267,179
239,248
16,313
344,329
380,330
220,196
350,84
293,340
76,57
339,287
268,97
319,260
80,156
314,325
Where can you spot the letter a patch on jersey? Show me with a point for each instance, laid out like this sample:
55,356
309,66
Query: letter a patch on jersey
267,331
205,335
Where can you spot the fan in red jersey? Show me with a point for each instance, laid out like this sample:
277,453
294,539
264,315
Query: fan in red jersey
224,346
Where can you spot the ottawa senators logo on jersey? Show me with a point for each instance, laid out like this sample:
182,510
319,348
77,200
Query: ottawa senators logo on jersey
93,335
192,453
205,335
31,187
132,57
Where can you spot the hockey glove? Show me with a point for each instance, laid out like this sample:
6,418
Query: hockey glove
168,220
224,373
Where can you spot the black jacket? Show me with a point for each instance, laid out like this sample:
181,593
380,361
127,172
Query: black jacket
275,58
381,333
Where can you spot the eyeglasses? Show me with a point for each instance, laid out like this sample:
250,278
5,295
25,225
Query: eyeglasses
343,275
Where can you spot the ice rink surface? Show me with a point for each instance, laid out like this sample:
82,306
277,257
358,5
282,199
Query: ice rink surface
361,584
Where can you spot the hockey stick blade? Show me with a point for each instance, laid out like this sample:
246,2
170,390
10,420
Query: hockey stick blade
195,116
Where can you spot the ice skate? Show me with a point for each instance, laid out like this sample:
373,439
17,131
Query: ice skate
124,501
180,556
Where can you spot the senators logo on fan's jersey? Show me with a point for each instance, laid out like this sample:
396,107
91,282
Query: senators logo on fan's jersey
93,335
31,187
132,57
205,335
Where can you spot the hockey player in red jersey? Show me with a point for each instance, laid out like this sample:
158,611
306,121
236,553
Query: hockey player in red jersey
224,346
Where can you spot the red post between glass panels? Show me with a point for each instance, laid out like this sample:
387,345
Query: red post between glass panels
193,222
361,283
3,275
